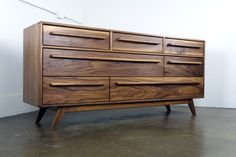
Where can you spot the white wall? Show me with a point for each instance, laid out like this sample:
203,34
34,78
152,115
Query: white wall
15,16
213,21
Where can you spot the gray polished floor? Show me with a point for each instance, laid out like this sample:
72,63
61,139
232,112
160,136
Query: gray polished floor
144,132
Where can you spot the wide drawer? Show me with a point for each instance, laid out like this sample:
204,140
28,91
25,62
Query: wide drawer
75,90
183,66
183,47
143,88
74,37
136,43
87,63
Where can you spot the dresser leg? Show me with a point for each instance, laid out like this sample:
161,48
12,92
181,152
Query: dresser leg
191,107
41,112
59,114
168,108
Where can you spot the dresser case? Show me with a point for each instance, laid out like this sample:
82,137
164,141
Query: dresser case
73,68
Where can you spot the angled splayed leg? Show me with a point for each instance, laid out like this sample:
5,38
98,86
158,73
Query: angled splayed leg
41,112
168,108
59,114
191,107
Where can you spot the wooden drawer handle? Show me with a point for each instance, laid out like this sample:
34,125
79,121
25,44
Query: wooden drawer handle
57,84
105,59
157,83
138,41
78,36
184,46
184,62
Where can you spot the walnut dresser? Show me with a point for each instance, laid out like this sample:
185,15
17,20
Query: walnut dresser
73,68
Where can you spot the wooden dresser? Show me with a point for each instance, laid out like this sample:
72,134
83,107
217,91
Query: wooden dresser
75,68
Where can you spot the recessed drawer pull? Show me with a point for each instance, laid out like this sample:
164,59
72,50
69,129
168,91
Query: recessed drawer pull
138,41
105,59
57,84
78,36
157,83
184,46
184,62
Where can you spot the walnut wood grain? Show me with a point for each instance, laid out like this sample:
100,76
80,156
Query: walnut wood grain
172,87
78,68
32,65
135,43
100,64
62,110
71,37
192,107
59,114
183,66
183,47
126,105
93,89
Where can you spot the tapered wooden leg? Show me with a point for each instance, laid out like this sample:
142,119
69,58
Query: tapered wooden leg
168,108
41,112
59,114
191,107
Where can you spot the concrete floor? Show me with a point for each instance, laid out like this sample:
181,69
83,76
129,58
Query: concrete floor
144,132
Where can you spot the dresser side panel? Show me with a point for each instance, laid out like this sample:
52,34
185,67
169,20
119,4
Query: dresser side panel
32,77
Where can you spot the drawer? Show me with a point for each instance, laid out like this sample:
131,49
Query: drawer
183,47
75,90
183,66
87,63
143,88
136,43
74,37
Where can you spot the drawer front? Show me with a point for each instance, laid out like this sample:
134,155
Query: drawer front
135,43
75,90
183,66
73,37
143,88
85,63
183,47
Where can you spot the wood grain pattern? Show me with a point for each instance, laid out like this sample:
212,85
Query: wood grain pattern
32,68
183,66
59,114
119,64
78,68
192,107
188,47
155,91
126,105
74,94
71,37
136,43
104,58
62,110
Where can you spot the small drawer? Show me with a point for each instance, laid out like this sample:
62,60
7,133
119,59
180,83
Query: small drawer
183,47
183,66
144,88
74,37
136,43
88,63
75,90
